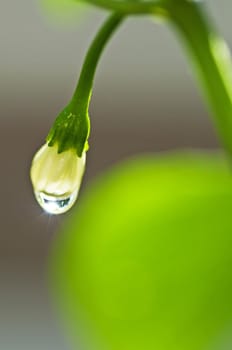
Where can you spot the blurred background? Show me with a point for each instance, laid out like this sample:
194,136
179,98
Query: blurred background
145,100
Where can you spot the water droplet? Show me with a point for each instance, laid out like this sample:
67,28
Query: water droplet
56,178
54,204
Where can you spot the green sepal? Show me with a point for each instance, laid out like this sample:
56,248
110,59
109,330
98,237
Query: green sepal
70,131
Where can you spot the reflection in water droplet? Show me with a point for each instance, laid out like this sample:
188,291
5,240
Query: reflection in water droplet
56,178
54,204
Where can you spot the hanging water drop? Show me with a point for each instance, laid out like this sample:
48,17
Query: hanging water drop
56,178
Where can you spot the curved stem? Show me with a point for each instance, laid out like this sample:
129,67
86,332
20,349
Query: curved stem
129,7
207,51
83,90
212,61
71,128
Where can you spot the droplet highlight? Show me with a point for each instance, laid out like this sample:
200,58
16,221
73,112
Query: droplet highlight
54,204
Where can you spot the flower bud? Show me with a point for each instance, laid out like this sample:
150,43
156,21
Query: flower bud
56,178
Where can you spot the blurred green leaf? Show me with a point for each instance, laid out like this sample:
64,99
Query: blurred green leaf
145,261
65,12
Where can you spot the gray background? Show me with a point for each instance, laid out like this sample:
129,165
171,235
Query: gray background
144,100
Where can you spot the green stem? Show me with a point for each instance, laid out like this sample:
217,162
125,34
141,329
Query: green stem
207,51
83,90
128,6
71,128
211,58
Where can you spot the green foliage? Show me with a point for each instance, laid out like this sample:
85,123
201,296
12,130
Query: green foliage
145,261
135,7
207,51
65,12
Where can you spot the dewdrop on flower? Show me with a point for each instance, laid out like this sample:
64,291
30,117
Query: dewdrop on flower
56,178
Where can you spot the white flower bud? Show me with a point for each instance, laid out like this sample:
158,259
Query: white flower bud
56,178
